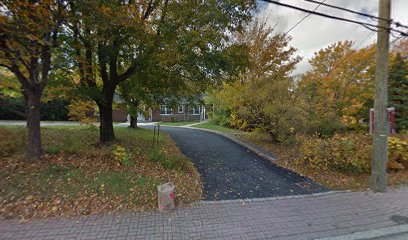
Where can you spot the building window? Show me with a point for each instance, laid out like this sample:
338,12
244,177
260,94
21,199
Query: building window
181,109
164,110
194,110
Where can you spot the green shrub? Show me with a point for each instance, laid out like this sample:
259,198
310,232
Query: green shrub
53,149
324,126
176,163
170,162
14,103
220,117
121,156
352,153
155,155
55,110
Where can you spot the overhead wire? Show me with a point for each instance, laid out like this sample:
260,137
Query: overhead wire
365,24
307,15
391,21
349,10
369,26
396,38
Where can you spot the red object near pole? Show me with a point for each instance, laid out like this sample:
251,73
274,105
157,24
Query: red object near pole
391,119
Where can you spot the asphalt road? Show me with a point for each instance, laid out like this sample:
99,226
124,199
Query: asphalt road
230,171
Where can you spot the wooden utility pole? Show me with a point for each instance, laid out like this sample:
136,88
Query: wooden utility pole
381,124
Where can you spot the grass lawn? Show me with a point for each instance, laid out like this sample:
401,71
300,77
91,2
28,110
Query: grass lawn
180,123
216,127
78,176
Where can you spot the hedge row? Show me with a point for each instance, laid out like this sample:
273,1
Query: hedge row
55,110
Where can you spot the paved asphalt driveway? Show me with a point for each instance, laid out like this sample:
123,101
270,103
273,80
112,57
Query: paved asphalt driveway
229,171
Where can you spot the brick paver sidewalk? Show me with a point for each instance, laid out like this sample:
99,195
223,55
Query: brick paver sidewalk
305,217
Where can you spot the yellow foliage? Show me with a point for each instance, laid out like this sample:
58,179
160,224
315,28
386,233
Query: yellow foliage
120,155
82,111
350,152
341,82
398,150
313,154
260,97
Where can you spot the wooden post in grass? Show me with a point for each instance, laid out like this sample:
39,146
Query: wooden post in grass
158,133
381,129
154,134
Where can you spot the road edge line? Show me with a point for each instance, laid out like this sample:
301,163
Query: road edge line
249,200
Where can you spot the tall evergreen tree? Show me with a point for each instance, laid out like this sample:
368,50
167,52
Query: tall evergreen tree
398,90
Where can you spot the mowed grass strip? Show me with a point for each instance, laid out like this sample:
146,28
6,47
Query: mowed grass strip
219,128
78,176
178,123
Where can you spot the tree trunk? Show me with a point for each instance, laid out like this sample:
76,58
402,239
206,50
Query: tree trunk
34,145
133,118
106,133
133,121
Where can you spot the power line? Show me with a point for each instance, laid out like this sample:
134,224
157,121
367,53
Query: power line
363,41
397,24
349,10
307,15
335,17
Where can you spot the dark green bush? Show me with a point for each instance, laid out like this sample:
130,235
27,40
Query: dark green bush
55,110
15,103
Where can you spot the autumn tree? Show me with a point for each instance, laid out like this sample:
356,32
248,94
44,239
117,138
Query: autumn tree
113,40
29,34
338,87
262,97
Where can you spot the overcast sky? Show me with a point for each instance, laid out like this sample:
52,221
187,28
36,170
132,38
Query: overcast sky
317,32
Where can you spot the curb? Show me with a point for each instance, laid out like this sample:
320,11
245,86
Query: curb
249,200
377,233
243,144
